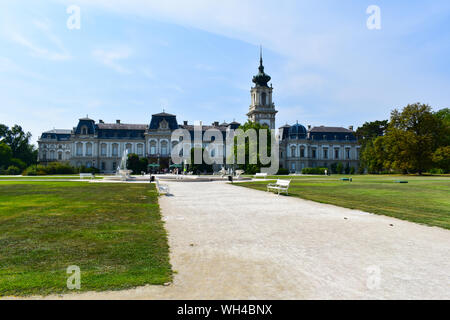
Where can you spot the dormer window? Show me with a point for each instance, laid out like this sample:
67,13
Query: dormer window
84,131
164,125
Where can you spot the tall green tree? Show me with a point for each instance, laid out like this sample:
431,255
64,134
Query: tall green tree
19,142
5,155
248,167
368,137
371,130
412,137
444,115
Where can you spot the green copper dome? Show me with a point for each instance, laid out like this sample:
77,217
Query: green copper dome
261,79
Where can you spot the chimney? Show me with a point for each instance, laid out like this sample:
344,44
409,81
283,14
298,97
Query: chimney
216,123
185,123
118,121
309,127
100,121
350,128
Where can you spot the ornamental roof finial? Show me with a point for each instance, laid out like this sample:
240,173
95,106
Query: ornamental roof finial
260,56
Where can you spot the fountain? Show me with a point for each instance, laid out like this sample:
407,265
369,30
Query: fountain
122,170
122,173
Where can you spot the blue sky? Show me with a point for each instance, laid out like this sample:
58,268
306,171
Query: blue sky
196,59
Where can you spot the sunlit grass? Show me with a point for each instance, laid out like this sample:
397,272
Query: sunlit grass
113,232
423,200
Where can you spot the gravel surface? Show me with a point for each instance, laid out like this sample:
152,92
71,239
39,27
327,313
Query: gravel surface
229,242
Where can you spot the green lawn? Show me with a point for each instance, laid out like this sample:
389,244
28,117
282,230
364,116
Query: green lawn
56,177
113,232
423,200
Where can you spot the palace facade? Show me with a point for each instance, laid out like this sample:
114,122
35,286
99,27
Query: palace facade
101,145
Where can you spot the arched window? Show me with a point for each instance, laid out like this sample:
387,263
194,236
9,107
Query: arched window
140,150
89,149
84,131
79,149
44,155
115,150
152,147
293,151
103,149
129,148
263,98
302,152
164,150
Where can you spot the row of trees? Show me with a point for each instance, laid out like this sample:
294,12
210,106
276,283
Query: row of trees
16,152
415,140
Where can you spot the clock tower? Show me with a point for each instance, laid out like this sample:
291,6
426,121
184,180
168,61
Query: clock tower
262,109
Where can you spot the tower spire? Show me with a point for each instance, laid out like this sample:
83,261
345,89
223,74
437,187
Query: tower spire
261,79
260,56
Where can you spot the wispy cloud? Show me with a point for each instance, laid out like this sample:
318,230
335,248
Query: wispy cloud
9,66
111,58
56,50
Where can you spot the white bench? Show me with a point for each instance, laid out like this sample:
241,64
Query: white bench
279,186
239,173
261,175
86,175
162,188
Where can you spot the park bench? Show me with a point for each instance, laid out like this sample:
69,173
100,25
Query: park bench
239,173
162,188
280,186
261,175
86,175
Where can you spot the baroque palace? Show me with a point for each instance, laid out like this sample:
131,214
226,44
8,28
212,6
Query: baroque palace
101,145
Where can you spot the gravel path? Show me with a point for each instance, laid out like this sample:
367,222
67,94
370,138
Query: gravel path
229,242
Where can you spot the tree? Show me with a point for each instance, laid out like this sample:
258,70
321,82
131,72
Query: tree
5,155
444,115
412,137
366,136
19,142
374,156
3,131
248,167
339,168
371,130
441,158
196,167
136,164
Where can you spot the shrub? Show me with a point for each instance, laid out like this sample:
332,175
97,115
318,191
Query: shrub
347,168
339,168
13,171
50,169
314,171
283,172
83,169
352,170
18,163
333,168
30,171
58,168
437,171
